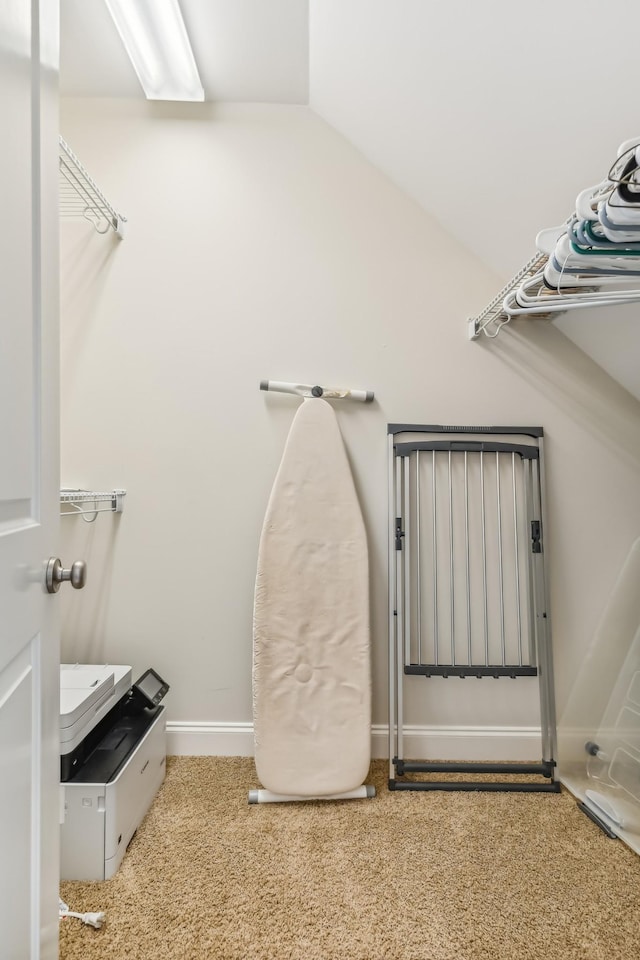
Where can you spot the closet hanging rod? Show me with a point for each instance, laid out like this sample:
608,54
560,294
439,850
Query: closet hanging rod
78,500
309,390
81,197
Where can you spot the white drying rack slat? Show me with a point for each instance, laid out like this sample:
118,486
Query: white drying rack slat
78,500
80,197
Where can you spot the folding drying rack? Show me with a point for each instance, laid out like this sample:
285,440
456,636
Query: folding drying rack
467,584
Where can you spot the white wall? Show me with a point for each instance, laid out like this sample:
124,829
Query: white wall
261,244
611,338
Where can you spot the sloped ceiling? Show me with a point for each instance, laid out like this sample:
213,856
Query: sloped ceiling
492,115
246,50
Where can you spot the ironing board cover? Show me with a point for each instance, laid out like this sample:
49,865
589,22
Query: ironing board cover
311,648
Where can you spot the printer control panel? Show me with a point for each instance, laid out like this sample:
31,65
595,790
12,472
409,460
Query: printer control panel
150,688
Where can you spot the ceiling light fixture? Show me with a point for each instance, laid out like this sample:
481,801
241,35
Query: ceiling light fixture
155,37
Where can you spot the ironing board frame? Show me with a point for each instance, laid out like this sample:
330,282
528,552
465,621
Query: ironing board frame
523,445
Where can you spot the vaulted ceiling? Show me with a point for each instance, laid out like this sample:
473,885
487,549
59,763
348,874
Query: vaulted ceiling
492,115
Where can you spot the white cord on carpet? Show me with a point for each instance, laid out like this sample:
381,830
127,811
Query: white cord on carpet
91,919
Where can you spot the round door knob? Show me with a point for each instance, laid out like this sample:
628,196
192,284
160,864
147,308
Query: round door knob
56,574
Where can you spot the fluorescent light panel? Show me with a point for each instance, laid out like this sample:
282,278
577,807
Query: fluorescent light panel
155,37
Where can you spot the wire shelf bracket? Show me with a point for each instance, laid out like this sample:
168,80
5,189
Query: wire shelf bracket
85,503
80,197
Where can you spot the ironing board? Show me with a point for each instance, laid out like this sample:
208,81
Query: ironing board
311,648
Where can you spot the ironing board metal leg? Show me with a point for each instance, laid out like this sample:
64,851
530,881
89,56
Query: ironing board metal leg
266,796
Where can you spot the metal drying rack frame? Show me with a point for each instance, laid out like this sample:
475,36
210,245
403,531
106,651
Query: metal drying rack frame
447,544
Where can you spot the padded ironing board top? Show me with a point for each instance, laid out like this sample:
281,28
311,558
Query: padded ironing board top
311,669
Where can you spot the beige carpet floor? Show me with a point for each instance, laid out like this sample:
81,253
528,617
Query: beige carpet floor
405,876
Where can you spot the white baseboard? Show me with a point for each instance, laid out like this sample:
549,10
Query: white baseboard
420,742
206,739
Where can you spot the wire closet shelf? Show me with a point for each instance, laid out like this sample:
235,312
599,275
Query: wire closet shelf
89,503
493,318
80,197
592,260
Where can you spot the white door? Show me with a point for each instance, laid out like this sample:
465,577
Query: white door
29,650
